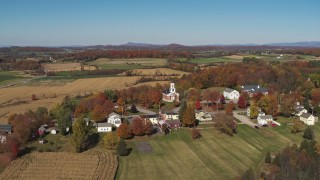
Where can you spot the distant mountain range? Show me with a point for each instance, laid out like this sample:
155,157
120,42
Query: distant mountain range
174,45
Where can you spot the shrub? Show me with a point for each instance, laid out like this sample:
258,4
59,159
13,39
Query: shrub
195,133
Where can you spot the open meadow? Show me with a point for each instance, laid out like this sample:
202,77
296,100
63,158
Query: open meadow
130,63
215,156
63,165
159,72
7,77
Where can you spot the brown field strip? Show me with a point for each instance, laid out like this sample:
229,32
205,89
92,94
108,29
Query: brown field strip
62,165
56,67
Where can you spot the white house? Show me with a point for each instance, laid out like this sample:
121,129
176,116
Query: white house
264,119
231,94
170,95
308,118
202,116
170,116
153,118
299,111
104,127
114,119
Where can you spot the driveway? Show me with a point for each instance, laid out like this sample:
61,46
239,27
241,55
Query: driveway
244,119
146,111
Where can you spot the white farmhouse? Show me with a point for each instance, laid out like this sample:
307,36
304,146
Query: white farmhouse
170,116
308,118
231,94
104,127
264,119
153,118
114,119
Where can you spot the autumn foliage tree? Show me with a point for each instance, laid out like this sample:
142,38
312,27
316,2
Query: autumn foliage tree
195,133
229,108
137,126
124,131
242,102
110,140
225,124
198,105
189,116
148,128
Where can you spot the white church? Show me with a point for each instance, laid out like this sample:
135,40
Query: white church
170,95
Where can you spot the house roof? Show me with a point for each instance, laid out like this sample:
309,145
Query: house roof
104,125
229,90
266,117
299,109
173,121
149,116
6,127
113,114
306,115
254,88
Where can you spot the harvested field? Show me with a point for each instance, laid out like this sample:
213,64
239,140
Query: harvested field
159,71
234,57
48,95
62,165
57,67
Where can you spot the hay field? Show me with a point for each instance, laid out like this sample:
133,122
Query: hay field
62,165
45,93
130,63
57,67
159,71
234,57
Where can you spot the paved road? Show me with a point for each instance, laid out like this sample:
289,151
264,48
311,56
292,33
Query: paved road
146,111
244,119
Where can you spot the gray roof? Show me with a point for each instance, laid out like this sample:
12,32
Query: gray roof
6,127
254,88
42,128
229,90
266,117
305,115
299,109
104,125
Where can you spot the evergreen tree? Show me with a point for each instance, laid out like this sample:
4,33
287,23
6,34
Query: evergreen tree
182,110
122,148
308,133
134,108
80,134
268,157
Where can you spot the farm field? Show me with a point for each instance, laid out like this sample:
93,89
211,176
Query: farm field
133,63
62,165
7,77
78,87
57,67
159,71
224,59
215,156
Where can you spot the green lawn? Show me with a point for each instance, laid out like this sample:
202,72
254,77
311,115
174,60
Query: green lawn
128,63
215,156
212,60
7,77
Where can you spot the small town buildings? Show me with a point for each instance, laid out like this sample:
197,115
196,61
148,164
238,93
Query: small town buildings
104,127
264,120
252,89
6,128
114,119
174,124
52,130
170,95
308,118
169,116
153,118
231,94
203,116
299,109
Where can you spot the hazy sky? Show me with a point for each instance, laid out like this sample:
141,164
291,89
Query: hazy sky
189,22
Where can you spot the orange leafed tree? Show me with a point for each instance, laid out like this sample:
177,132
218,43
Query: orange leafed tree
229,108
124,131
137,126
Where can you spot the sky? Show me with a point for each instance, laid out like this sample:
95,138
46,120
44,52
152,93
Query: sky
188,22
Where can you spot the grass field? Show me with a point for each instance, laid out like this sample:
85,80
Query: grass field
160,71
7,77
215,156
134,63
57,67
224,59
62,165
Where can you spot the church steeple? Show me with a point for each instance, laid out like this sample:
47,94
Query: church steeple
172,88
